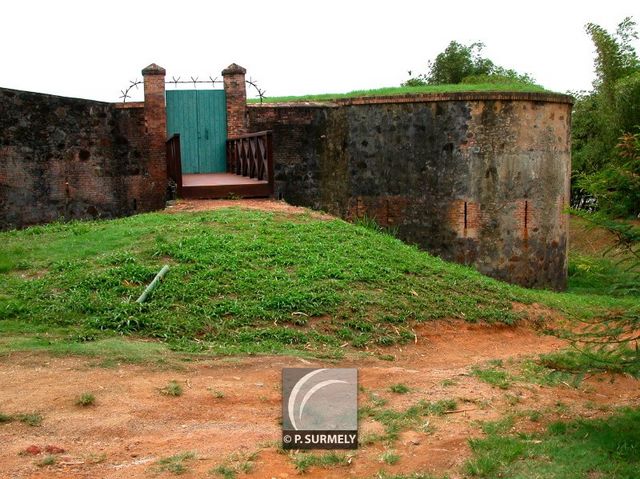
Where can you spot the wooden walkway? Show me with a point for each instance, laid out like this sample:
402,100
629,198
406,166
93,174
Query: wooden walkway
223,185
218,179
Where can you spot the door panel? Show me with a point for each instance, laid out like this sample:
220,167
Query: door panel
200,117
212,122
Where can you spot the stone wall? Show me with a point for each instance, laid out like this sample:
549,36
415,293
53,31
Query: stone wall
477,178
67,158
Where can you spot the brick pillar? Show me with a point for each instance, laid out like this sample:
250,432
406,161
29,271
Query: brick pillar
236,92
155,120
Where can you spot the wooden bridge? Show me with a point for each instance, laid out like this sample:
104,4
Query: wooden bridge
249,169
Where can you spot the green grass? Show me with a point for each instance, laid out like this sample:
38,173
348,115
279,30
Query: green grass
172,389
480,87
241,282
175,464
414,475
304,461
602,275
399,388
226,472
236,463
583,448
85,399
31,418
495,377
49,460
395,422
390,457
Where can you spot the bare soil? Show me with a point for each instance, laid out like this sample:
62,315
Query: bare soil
264,204
132,425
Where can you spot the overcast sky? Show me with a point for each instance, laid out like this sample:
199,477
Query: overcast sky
92,49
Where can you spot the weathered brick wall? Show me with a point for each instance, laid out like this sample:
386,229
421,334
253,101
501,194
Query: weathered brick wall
477,178
67,158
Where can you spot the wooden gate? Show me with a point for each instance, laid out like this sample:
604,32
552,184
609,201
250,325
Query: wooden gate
200,118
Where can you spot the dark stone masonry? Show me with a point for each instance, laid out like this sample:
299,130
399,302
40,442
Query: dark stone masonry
66,158
476,178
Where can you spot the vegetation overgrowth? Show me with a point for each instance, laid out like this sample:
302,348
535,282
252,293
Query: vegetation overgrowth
484,85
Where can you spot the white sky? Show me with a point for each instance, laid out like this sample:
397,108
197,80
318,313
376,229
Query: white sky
91,49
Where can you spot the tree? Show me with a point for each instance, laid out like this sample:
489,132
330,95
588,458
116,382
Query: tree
460,63
606,157
612,108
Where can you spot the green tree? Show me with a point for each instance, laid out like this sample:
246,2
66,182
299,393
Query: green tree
460,63
612,108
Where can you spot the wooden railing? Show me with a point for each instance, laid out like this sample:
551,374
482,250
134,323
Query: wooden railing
174,162
251,155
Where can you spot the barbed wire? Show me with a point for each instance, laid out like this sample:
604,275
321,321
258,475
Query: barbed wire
195,81
125,93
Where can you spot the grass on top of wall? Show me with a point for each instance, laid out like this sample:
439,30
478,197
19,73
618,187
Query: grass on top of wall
406,90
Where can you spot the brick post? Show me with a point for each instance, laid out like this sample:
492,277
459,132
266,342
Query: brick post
236,92
155,120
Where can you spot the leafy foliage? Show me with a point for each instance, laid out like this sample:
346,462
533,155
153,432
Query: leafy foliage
460,63
616,185
605,151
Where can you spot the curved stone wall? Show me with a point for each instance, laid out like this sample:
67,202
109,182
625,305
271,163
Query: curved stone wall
477,178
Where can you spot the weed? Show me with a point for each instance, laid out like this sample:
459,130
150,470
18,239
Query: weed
172,389
390,457
414,475
538,372
512,399
225,472
236,463
492,376
85,399
371,438
535,416
217,393
448,383
49,460
303,461
5,418
31,419
175,464
500,426
387,357
399,388
395,422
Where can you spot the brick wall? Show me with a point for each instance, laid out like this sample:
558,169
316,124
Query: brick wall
67,158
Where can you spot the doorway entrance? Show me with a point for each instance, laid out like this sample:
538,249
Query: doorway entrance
200,118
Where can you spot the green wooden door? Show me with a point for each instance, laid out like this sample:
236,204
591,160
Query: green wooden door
200,117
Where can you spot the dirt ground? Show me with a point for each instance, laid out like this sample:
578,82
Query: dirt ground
131,425
263,204
233,404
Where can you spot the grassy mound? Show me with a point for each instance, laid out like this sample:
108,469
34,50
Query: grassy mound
240,281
